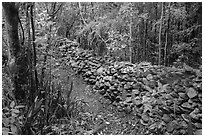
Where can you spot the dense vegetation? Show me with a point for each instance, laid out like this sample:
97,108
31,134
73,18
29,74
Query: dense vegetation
102,68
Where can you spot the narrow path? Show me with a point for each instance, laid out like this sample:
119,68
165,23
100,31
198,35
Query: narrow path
102,110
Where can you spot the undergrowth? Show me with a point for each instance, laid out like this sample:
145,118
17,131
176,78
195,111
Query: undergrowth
19,118
50,113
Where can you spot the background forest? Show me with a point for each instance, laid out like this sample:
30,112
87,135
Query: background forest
71,68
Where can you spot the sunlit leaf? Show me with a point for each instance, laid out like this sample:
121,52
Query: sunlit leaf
12,104
19,106
15,111
14,129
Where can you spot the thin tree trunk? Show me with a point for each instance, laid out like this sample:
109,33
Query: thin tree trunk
165,49
130,43
30,57
160,34
138,43
167,35
34,47
145,40
154,60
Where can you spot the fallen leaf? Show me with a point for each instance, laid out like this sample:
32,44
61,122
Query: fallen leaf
166,118
191,92
147,107
149,77
145,118
186,105
171,126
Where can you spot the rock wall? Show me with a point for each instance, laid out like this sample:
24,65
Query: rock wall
164,98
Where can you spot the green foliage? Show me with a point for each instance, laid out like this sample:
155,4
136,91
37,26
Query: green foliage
178,13
12,116
107,26
189,53
12,119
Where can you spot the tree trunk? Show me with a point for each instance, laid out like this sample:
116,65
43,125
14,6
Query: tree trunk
165,48
130,43
160,34
145,40
34,48
11,14
30,54
167,35
138,43
15,62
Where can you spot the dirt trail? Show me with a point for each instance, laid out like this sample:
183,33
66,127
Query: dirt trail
83,91
101,108
80,90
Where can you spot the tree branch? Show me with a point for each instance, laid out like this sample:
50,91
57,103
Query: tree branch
55,12
82,18
21,30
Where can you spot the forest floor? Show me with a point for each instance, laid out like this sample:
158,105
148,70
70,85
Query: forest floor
100,116
104,114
